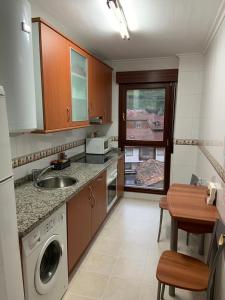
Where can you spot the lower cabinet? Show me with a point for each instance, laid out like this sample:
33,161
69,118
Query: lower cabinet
99,209
120,178
85,213
78,225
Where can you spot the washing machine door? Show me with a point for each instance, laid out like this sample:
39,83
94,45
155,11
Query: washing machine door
48,265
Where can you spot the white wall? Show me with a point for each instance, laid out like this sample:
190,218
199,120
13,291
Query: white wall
189,93
212,127
38,11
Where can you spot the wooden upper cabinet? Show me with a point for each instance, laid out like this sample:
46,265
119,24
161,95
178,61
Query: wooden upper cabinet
100,90
94,88
52,64
107,95
70,84
79,86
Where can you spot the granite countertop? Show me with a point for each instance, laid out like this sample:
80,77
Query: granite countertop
35,205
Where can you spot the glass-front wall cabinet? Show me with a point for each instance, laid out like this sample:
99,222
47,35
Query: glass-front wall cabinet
79,82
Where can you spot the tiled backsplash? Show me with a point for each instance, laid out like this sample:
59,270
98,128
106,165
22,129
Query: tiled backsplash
186,142
35,156
202,144
31,157
36,151
216,165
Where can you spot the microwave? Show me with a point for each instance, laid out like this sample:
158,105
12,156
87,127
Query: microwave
97,145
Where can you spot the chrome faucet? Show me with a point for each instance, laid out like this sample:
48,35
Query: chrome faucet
37,173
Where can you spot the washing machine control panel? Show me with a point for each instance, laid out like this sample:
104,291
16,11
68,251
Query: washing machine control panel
33,239
52,223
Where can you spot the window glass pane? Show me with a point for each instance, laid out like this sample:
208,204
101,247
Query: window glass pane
145,167
145,114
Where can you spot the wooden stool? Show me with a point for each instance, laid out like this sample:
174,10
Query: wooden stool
185,272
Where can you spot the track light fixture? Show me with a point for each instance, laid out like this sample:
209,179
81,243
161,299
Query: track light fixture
117,10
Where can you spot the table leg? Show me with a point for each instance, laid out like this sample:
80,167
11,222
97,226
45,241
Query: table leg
202,244
173,247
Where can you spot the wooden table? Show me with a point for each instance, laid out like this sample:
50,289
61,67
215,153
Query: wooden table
189,211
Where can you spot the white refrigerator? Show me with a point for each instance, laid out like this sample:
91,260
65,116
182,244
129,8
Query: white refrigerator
11,284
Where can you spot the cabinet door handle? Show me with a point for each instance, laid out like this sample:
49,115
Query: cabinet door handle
90,197
90,201
93,197
94,200
99,178
68,114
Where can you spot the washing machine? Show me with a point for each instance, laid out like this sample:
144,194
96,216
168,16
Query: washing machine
44,259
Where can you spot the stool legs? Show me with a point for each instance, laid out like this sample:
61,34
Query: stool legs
159,291
187,238
163,290
202,244
160,224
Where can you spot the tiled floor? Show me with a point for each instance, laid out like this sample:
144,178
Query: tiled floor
122,262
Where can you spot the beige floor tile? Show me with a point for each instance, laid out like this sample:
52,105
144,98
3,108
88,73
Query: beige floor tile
128,268
70,296
121,289
148,291
107,246
133,250
99,263
88,284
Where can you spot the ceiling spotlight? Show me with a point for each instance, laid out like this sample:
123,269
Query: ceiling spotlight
117,10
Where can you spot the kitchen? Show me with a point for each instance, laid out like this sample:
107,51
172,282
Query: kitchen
76,52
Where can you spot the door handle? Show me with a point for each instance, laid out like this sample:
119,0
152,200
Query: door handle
93,197
68,114
124,116
90,201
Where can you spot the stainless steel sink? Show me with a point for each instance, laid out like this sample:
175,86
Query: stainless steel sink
56,182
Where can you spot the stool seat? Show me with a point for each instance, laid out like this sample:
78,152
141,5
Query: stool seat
182,271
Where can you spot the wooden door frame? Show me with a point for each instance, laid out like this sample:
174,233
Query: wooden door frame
150,79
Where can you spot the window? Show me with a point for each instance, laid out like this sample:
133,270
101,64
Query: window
129,151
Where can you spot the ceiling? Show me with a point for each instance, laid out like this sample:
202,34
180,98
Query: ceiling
157,27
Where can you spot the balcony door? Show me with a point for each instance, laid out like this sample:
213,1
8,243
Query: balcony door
146,135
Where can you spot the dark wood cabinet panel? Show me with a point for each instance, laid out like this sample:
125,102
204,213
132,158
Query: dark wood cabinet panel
78,225
100,90
94,88
107,117
55,65
120,180
99,210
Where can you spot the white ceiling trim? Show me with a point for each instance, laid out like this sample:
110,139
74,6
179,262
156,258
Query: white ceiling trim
188,54
140,59
220,16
